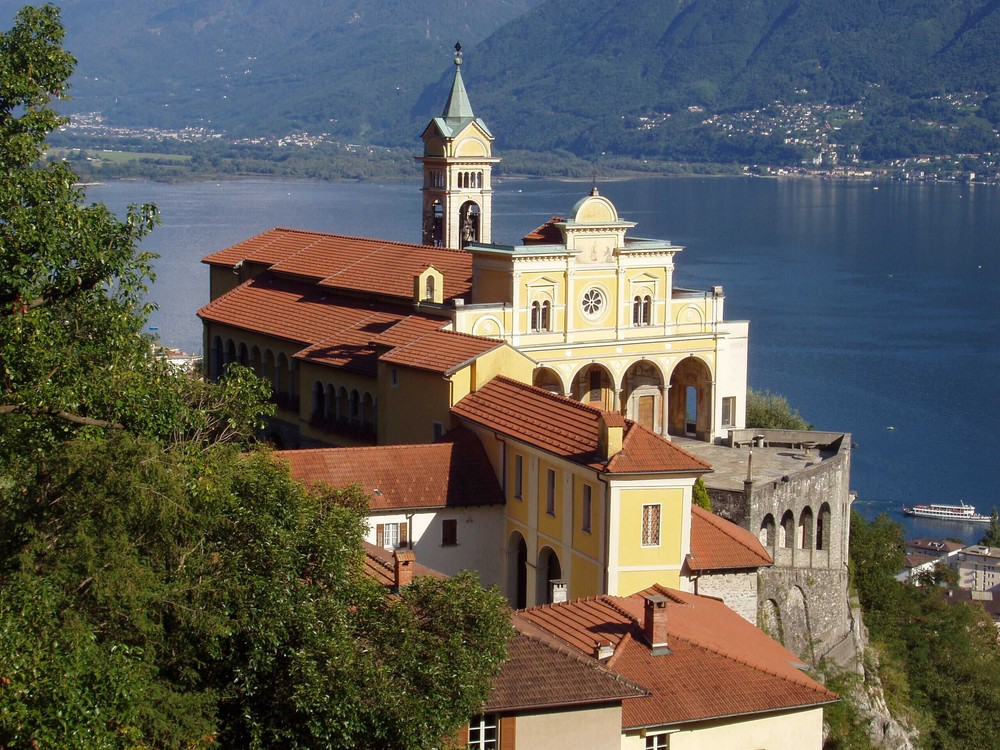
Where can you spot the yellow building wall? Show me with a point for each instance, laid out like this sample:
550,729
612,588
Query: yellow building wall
589,543
646,562
504,360
493,285
407,411
798,730
587,578
550,524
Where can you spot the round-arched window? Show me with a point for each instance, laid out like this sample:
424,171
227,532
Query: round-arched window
593,302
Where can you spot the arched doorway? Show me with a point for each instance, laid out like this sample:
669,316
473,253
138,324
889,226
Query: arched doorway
690,409
549,380
594,385
547,571
517,571
643,389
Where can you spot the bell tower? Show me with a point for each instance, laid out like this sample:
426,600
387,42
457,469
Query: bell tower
458,162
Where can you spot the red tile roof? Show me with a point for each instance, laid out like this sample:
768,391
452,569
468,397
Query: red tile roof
454,473
343,331
379,567
358,264
440,351
719,664
718,544
540,672
547,234
569,429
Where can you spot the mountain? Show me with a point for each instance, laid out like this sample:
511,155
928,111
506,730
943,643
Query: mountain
723,80
255,67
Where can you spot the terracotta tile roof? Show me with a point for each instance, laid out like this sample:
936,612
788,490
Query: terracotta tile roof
378,565
454,473
719,665
547,234
358,264
718,544
440,351
540,672
569,429
336,330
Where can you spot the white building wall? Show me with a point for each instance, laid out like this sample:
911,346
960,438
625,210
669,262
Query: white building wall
480,539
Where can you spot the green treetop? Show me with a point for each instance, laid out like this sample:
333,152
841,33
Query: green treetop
163,582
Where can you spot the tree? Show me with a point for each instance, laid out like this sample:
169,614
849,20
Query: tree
700,496
768,410
163,581
992,537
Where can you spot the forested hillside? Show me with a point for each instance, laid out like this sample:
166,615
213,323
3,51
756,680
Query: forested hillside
684,80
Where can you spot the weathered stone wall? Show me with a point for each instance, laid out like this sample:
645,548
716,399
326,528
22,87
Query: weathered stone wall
803,521
737,590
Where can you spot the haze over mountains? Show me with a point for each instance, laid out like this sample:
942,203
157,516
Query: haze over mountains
633,77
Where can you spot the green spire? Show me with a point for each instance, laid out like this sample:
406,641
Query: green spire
458,106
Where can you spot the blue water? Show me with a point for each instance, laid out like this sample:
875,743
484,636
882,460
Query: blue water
869,308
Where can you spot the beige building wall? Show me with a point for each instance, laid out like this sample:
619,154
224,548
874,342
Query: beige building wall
591,728
800,730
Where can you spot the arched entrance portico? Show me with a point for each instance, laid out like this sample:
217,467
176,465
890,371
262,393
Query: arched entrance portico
642,391
549,380
690,408
594,385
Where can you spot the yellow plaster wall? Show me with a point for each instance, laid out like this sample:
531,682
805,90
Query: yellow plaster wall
594,728
631,552
517,507
798,730
407,412
587,578
549,524
493,285
504,360
588,543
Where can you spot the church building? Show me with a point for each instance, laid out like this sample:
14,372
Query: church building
368,341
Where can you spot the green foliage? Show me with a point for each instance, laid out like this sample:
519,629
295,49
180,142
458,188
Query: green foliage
163,583
992,536
847,727
768,410
940,661
699,495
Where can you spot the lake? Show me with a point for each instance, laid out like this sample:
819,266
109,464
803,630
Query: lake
873,307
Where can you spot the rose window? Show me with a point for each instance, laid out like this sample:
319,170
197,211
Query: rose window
593,302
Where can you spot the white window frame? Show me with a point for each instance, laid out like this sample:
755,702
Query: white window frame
659,741
484,732
652,521
729,411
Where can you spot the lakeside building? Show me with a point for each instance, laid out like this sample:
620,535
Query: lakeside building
367,341
520,410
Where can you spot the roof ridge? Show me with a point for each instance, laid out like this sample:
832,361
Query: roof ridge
373,240
719,523
550,395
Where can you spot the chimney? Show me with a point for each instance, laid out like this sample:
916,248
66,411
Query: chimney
603,650
655,624
559,590
611,432
402,567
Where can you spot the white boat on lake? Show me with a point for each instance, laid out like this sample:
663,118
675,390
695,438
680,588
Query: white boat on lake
961,512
